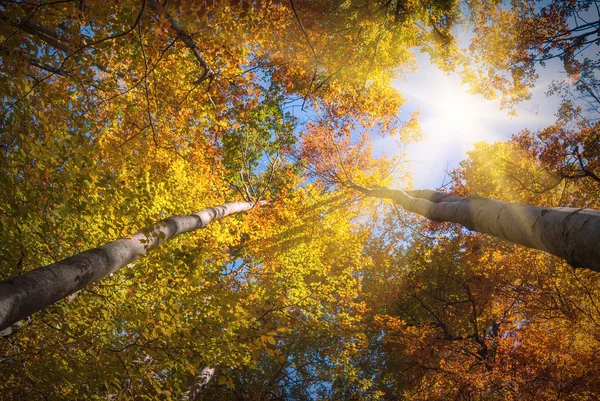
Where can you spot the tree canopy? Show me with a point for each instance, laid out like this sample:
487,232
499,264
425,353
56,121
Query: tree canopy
117,116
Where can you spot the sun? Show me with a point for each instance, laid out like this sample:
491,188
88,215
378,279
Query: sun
452,121
458,114
448,112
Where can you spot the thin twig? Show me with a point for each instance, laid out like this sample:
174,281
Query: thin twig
148,108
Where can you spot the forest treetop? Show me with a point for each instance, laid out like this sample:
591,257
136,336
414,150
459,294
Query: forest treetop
116,115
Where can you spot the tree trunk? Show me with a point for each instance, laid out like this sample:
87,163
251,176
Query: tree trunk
23,295
198,384
569,233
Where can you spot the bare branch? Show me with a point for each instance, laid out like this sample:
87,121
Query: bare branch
186,39
33,28
49,68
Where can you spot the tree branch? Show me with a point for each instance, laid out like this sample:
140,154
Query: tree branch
44,33
569,233
186,39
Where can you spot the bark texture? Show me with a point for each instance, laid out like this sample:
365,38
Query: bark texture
569,233
23,295
199,383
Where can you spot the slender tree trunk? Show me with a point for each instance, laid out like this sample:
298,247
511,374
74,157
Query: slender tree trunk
569,233
23,295
199,383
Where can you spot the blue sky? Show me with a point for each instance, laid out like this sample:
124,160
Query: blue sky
453,120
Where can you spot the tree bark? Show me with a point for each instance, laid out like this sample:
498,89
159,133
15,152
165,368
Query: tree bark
33,28
569,233
198,384
23,295
186,39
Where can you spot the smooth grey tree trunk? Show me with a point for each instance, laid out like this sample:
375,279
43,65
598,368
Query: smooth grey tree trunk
569,233
23,295
199,384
